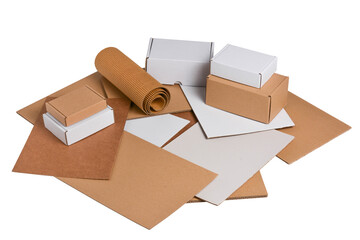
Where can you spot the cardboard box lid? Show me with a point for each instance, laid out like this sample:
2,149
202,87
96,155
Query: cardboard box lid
243,59
76,105
180,50
32,111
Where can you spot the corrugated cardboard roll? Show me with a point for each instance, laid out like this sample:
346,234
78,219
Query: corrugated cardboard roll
139,86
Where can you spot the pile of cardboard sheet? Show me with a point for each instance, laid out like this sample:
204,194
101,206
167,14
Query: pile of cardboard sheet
191,127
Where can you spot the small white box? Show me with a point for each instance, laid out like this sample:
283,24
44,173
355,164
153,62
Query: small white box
81,129
243,66
177,61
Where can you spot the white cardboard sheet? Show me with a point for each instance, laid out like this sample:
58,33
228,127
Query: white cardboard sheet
219,123
235,159
156,129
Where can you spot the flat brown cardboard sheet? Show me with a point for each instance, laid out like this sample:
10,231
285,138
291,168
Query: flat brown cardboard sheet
260,104
147,183
253,188
139,86
76,105
313,128
177,104
92,157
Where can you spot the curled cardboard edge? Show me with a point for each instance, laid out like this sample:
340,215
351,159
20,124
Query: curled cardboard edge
177,104
139,86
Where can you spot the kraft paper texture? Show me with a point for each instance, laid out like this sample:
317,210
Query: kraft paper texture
177,104
139,188
313,128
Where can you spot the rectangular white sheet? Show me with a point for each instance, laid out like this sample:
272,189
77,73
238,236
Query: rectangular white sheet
219,123
235,159
156,129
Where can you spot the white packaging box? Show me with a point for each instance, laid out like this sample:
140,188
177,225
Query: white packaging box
243,66
177,61
80,130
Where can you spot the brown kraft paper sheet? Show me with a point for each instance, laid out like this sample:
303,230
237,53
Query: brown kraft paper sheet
313,128
139,188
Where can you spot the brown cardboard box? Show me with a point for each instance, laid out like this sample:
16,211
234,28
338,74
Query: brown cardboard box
260,104
76,105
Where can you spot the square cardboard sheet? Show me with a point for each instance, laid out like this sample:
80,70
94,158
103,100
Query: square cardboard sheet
45,154
219,123
235,158
156,129
147,183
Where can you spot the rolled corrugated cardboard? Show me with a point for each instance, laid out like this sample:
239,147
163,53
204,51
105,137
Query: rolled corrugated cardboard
139,86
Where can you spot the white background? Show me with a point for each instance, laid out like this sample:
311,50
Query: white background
46,46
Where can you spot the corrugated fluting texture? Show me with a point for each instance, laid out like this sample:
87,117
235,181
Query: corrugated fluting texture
140,87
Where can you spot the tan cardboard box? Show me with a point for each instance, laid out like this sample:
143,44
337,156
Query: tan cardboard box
76,105
260,104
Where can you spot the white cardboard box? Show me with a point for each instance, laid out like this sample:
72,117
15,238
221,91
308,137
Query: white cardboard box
243,66
80,130
177,61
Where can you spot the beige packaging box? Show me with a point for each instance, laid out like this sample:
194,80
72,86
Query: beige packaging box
76,105
260,104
